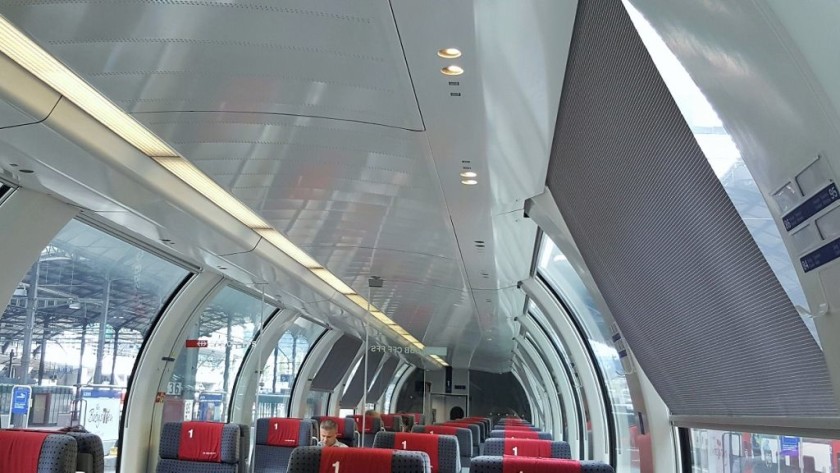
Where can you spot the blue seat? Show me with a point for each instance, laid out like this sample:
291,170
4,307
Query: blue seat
498,447
37,452
444,455
357,460
276,438
463,435
205,447
520,434
487,464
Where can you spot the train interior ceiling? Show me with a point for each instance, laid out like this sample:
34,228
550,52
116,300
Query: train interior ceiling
616,220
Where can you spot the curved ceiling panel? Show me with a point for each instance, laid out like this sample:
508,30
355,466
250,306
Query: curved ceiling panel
315,58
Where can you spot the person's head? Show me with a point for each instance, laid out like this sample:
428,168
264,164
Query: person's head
372,413
329,432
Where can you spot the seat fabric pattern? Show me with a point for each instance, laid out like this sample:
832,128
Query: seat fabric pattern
170,439
495,447
166,465
275,458
486,464
91,444
463,436
58,454
525,434
308,460
449,459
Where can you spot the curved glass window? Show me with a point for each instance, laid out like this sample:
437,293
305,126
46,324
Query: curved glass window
726,161
282,367
75,324
727,451
555,268
392,386
585,430
199,388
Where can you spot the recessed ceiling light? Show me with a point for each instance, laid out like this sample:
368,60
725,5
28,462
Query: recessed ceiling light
449,53
469,174
469,182
452,70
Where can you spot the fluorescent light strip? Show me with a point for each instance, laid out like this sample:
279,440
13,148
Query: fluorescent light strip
277,239
360,301
333,281
34,59
208,188
43,65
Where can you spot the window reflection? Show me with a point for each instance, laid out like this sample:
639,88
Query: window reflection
217,342
282,367
715,451
558,272
74,326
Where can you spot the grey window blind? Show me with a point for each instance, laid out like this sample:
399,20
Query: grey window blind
696,301
357,385
336,364
386,374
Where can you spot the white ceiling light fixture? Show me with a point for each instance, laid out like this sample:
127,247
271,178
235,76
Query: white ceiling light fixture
34,59
41,64
469,182
452,70
449,53
469,174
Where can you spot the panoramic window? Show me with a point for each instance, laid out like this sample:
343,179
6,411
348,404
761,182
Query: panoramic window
727,451
282,367
199,388
555,268
74,326
726,161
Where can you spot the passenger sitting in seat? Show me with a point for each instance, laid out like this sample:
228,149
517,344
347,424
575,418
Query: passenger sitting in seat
329,432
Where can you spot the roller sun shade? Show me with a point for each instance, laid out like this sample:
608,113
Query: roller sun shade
357,385
386,374
336,364
693,296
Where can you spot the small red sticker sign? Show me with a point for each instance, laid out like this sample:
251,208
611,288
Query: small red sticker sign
196,343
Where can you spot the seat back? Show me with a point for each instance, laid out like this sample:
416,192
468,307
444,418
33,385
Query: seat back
347,429
498,447
486,464
476,435
244,447
444,455
517,427
464,437
520,434
372,426
37,452
209,447
474,427
482,432
91,454
357,460
392,422
408,422
483,420
276,438
418,418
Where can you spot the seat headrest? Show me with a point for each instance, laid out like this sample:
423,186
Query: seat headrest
21,451
284,432
356,460
212,442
